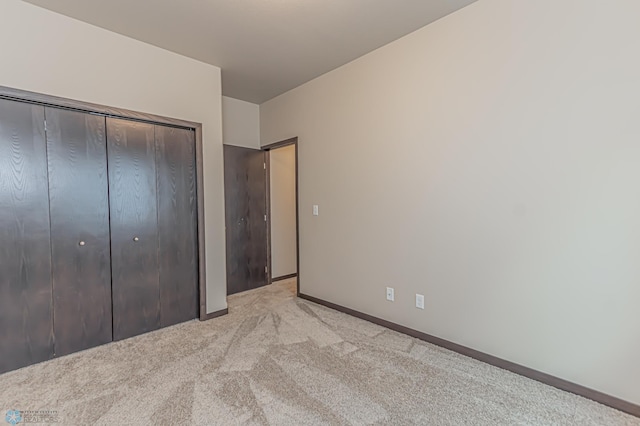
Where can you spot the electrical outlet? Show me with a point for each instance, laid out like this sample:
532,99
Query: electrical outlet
420,301
390,295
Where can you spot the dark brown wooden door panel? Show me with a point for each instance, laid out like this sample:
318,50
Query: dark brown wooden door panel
177,224
245,209
134,227
79,205
26,334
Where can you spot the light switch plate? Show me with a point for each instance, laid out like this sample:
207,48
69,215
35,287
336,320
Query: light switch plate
315,210
420,301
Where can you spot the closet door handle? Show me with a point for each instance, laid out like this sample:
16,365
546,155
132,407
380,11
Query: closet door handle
136,239
81,243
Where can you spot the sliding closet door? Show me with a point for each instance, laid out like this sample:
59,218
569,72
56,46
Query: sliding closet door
25,258
177,225
79,205
134,235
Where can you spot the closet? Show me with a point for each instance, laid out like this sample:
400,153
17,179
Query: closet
98,230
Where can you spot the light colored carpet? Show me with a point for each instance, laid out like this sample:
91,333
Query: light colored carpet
279,360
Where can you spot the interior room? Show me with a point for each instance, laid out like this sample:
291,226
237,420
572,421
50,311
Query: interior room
320,212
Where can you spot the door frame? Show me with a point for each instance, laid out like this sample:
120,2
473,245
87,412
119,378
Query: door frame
291,141
87,107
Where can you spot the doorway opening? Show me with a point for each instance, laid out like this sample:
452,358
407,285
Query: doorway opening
282,206
261,215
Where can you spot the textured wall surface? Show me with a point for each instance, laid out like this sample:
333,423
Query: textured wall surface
490,162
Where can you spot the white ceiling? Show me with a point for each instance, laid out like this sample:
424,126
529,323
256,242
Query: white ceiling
264,47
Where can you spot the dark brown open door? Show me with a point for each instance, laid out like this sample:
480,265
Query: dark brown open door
245,185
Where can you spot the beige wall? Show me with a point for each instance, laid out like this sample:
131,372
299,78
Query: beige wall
283,211
490,162
48,53
240,123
